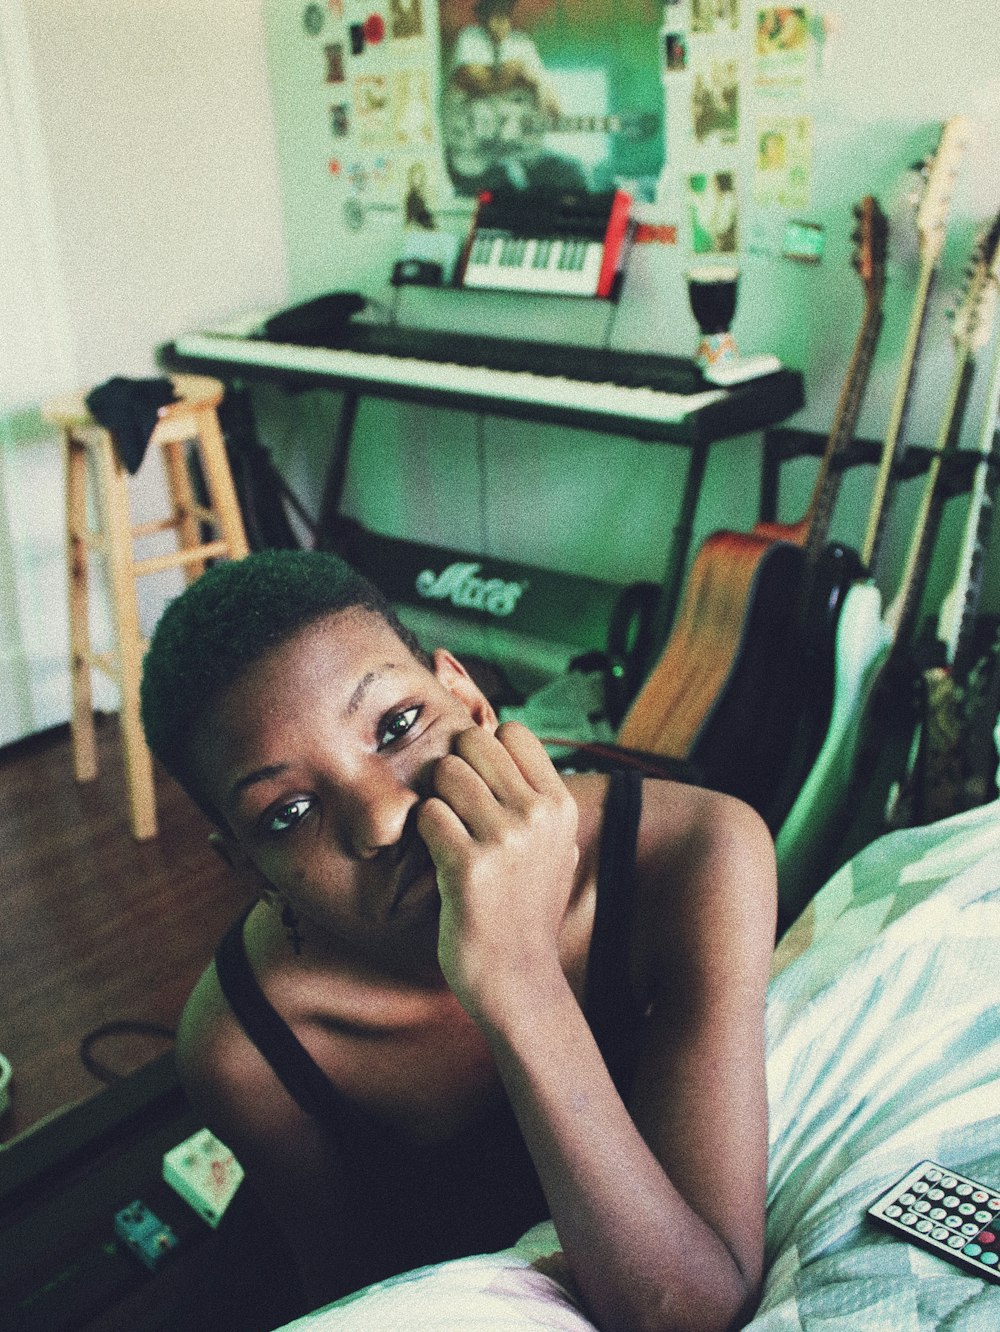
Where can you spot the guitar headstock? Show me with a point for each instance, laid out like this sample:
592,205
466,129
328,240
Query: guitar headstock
974,317
939,172
870,243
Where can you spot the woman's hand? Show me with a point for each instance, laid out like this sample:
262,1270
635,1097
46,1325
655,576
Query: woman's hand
501,827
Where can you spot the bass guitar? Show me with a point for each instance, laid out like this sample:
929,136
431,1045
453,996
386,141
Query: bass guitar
725,692
890,725
861,637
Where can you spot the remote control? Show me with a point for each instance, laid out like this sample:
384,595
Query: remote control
956,1217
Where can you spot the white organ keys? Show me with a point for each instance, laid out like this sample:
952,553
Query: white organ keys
560,265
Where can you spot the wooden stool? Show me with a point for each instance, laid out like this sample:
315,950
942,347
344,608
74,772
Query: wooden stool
192,419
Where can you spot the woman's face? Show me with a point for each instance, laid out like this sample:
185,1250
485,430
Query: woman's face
317,760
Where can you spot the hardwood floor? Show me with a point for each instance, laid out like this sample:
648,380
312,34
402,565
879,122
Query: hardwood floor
96,927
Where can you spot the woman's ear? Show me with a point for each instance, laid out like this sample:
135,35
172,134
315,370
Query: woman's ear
457,680
247,873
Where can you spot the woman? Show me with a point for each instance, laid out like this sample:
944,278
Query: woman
471,993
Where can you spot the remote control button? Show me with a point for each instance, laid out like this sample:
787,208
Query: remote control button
939,1233
893,1211
909,1218
922,1206
988,1237
983,1217
948,1182
956,1242
938,1213
951,1201
963,1190
994,1204
953,1221
936,1194
970,1228
966,1209
980,1196
924,1226
990,1259
932,1173
921,1187
973,1250
907,1199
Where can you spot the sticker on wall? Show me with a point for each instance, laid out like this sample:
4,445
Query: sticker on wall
370,96
782,51
783,161
405,18
313,19
713,212
715,101
417,211
674,52
336,8
340,123
367,35
334,53
712,16
412,109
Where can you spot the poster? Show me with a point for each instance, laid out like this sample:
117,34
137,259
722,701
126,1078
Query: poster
781,50
534,95
713,207
783,161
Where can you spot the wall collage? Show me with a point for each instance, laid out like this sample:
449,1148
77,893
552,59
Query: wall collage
699,108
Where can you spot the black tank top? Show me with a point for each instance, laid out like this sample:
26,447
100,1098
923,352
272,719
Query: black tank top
485,1180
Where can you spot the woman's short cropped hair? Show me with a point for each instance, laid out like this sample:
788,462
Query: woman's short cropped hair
226,620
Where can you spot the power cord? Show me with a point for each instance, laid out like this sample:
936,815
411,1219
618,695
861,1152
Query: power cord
125,1027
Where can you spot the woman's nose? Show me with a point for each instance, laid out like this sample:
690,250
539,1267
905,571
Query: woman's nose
381,804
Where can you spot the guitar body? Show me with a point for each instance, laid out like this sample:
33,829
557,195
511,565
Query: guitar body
687,682
808,834
722,695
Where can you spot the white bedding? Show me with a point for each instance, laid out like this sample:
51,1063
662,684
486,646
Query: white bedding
883,1048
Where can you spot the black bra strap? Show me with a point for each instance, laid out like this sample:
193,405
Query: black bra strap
292,1063
612,1011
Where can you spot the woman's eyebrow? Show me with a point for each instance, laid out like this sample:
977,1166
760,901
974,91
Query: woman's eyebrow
258,775
366,681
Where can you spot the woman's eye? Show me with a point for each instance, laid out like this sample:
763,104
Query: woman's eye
397,725
288,815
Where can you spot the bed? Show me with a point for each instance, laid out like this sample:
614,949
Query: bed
883,1040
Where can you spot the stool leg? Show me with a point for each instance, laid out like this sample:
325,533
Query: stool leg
219,480
77,560
183,500
117,525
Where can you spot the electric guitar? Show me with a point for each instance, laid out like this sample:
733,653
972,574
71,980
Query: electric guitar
862,637
509,129
954,769
890,725
726,691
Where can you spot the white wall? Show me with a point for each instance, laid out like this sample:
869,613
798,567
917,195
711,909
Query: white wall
140,195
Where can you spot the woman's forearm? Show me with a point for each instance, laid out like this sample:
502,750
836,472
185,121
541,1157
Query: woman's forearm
641,1256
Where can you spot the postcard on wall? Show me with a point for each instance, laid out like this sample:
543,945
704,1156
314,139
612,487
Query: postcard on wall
715,100
372,115
781,47
783,161
562,109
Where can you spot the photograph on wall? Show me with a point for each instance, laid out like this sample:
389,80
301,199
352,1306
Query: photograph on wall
711,16
783,161
715,101
712,199
535,96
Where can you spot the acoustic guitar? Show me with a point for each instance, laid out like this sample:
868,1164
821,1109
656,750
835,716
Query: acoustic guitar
726,691
862,637
889,729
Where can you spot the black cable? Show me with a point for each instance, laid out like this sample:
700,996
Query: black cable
126,1027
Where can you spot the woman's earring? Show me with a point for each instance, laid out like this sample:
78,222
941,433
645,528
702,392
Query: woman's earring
291,923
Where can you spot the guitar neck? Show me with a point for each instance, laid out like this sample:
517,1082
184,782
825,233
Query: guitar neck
956,619
893,445
900,618
824,497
